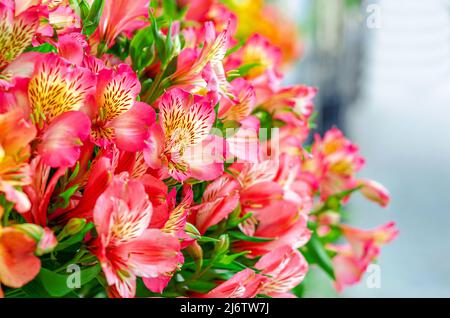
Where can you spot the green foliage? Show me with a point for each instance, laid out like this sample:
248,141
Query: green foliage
315,253
90,15
142,49
43,48
57,285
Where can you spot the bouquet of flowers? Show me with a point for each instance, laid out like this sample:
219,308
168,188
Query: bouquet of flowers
145,150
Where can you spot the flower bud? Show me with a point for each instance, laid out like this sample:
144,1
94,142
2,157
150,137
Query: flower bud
196,251
191,230
47,242
222,245
45,239
375,192
74,226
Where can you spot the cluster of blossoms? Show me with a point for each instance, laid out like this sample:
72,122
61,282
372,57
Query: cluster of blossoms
149,145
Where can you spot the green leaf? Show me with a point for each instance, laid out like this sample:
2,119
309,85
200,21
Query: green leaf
35,289
66,195
201,286
93,18
141,49
317,252
43,48
206,239
245,69
57,284
84,9
241,236
228,259
75,172
170,9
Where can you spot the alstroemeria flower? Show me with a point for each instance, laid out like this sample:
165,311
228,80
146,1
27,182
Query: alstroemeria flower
182,144
220,198
245,284
363,248
175,225
63,18
295,189
61,141
192,61
119,16
285,268
56,93
125,246
280,223
116,116
244,104
279,219
18,264
18,245
19,21
16,134
293,105
374,191
57,87
263,61
334,163
72,47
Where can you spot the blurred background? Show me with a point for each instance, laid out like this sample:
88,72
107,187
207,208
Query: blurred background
383,70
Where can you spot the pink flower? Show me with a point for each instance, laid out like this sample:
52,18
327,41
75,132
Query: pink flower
298,98
72,47
295,189
63,19
244,144
245,284
18,21
220,198
97,181
375,192
381,235
181,143
334,163
243,106
57,87
56,91
116,116
119,16
280,223
125,246
352,259
285,268
192,61
263,60
175,225
60,146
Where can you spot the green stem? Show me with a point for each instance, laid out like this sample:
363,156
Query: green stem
8,209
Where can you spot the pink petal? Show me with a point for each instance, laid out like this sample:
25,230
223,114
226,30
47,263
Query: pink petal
132,128
153,254
62,140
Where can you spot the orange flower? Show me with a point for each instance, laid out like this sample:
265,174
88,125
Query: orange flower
18,264
16,134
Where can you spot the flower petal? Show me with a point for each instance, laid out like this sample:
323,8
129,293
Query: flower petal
62,140
132,128
18,264
58,87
